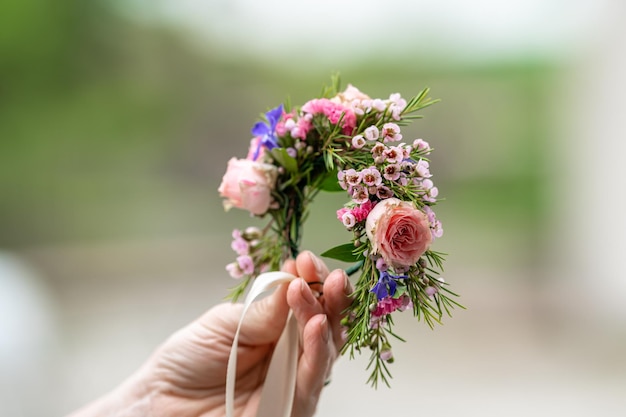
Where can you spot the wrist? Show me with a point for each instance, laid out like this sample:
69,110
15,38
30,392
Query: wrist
130,399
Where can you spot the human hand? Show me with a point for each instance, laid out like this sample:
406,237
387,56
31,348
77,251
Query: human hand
186,376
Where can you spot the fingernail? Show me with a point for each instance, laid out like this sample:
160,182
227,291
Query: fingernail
324,329
347,287
319,265
306,292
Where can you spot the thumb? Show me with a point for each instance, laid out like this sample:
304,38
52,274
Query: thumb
265,319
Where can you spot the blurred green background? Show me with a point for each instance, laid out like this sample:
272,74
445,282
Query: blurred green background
117,120
112,129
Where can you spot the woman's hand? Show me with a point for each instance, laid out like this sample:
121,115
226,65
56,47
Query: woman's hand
186,376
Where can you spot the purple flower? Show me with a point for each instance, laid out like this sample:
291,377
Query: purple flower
386,285
267,130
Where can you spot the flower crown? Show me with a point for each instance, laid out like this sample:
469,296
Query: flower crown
347,141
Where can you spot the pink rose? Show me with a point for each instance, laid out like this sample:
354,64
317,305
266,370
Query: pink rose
248,185
398,231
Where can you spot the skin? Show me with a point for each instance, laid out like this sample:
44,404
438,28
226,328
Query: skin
186,376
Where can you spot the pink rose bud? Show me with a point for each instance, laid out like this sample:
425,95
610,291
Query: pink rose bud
398,231
248,185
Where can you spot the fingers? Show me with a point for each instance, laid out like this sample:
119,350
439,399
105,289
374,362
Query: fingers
311,269
302,301
314,366
265,319
337,290
290,267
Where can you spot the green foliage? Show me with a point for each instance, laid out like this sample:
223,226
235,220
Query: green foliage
345,253
285,160
329,182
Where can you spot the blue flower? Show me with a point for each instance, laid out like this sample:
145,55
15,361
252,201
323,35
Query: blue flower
386,285
267,130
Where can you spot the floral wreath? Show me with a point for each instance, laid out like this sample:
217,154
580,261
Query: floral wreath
347,141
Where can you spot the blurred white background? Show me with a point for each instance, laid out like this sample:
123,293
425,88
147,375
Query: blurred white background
90,285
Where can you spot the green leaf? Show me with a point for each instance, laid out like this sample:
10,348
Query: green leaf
330,182
400,291
343,253
284,159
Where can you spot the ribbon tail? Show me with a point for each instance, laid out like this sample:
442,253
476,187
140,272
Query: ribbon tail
280,382
288,348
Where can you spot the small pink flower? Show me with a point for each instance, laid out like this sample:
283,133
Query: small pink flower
430,291
377,153
348,219
408,167
392,172
436,229
430,191
285,124
381,265
361,212
302,128
379,105
289,124
240,246
252,232
406,151
391,132
389,304
393,154
341,178
299,145
396,105
398,231
246,264
333,111
358,142
352,177
371,177
386,355
371,133
349,95
422,146
341,212
422,169
234,270
383,192
360,194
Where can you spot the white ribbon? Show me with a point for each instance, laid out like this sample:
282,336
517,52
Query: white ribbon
280,382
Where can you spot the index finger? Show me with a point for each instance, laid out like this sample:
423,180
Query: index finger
337,291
